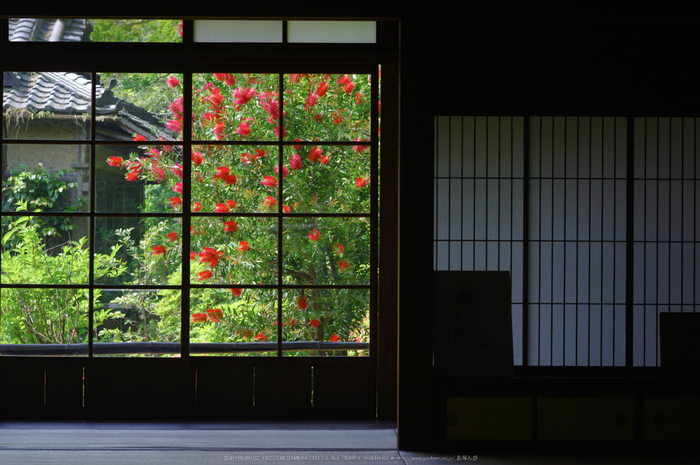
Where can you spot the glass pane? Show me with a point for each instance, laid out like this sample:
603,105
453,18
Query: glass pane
327,179
48,30
245,320
139,106
147,252
355,32
138,322
46,250
233,250
333,316
47,105
136,30
49,178
234,179
329,251
94,30
235,106
44,316
138,179
327,107
237,31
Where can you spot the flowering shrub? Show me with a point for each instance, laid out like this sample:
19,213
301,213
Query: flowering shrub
239,196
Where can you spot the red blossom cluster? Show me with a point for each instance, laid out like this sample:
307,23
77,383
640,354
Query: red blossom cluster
210,256
219,119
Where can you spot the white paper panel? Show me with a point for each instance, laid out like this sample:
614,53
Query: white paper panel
355,32
210,31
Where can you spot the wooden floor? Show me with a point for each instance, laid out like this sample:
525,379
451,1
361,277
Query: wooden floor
79,443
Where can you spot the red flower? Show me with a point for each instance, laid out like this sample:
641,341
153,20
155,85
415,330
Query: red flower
271,107
153,152
269,201
197,158
211,256
223,173
132,176
174,125
269,181
243,246
193,255
215,314
314,322
172,236
286,208
229,78
347,84
334,338
158,250
178,187
215,100
115,161
236,291
311,101
261,337
139,137
242,96
361,182
172,82
175,202
343,265
324,160
322,89
221,208
314,235
197,206
219,130
359,148
295,161
303,303
285,171
199,318
206,274
231,204
230,226
243,129
315,154
339,248
177,170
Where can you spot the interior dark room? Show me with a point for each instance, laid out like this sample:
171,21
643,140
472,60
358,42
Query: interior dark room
563,141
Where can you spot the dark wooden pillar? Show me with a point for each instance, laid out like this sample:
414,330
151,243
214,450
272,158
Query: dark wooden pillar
415,404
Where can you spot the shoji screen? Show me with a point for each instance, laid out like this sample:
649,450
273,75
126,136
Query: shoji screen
479,195
576,274
666,227
548,199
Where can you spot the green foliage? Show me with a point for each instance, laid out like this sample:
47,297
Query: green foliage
39,190
48,315
146,90
135,30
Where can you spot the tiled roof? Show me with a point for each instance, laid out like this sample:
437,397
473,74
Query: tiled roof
63,93
49,30
66,93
